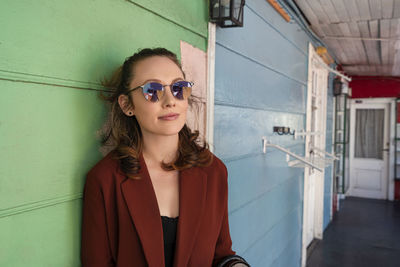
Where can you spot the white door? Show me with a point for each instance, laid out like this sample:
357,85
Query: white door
316,124
369,149
313,203
312,141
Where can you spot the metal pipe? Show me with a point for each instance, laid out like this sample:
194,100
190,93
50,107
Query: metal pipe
322,63
326,153
360,38
267,144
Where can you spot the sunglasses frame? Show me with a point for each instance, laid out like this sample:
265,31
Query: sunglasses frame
162,86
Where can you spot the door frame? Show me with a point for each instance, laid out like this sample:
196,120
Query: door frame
333,152
210,85
391,102
319,182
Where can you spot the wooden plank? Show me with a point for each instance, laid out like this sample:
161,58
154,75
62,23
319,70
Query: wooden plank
308,12
353,54
334,44
279,9
56,226
330,11
396,65
348,70
312,17
361,71
318,11
369,70
352,10
345,29
375,7
353,70
387,70
374,33
384,33
387,9
364,70
355,31
373,71
335,30
341,10
396,9
38,38
372,47
363,8
364,30
345,45
317,29
292,75
394,23
32,134
395,46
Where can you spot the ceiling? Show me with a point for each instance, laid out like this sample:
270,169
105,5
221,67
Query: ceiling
364,35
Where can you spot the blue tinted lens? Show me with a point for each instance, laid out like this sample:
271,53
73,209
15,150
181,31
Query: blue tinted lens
181,89
153,91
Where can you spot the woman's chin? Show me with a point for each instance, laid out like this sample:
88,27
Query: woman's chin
168,131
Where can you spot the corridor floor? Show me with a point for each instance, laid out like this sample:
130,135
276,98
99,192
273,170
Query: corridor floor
364,233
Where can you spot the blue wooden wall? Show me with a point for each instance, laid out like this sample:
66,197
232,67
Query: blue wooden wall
261,82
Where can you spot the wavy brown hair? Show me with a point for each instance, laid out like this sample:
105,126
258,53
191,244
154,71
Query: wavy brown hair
124,131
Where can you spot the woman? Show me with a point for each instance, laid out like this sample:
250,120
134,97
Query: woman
159,198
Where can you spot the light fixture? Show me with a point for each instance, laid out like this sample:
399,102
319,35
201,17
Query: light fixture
227,13
341,86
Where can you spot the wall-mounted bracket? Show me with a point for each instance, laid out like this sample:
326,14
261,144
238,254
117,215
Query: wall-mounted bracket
289,154
316,149
303,133
320,158
317,161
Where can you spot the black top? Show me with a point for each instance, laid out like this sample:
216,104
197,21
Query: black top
170,226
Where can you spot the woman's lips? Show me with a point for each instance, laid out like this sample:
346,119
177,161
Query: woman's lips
169,117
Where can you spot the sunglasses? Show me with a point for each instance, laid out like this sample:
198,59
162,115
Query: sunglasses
154,91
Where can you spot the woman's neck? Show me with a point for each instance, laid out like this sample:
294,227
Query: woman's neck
159,148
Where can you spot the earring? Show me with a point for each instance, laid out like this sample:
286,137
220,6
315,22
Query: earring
130,113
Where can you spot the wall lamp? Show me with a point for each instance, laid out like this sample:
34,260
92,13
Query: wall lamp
227,13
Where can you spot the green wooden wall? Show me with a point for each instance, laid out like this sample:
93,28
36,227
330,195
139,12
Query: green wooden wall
52,56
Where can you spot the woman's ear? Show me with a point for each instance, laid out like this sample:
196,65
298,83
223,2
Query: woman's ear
127,108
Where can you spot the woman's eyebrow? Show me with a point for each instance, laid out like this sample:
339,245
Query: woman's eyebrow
177,79
159,81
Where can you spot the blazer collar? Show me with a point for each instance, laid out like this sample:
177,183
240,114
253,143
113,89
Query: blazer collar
142,204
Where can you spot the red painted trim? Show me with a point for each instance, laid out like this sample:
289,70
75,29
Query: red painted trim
375,86
397,189
334,203
398,112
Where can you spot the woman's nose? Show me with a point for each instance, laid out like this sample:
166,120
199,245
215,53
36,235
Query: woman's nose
168,100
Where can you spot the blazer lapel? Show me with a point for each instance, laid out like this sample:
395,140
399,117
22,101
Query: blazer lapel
192,197
143,208
142,204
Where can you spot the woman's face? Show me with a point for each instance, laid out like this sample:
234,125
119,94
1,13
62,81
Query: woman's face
167,116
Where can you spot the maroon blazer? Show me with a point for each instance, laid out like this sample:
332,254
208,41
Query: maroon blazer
121,224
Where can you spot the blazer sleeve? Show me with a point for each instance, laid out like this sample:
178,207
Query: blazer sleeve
223,247
95,249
